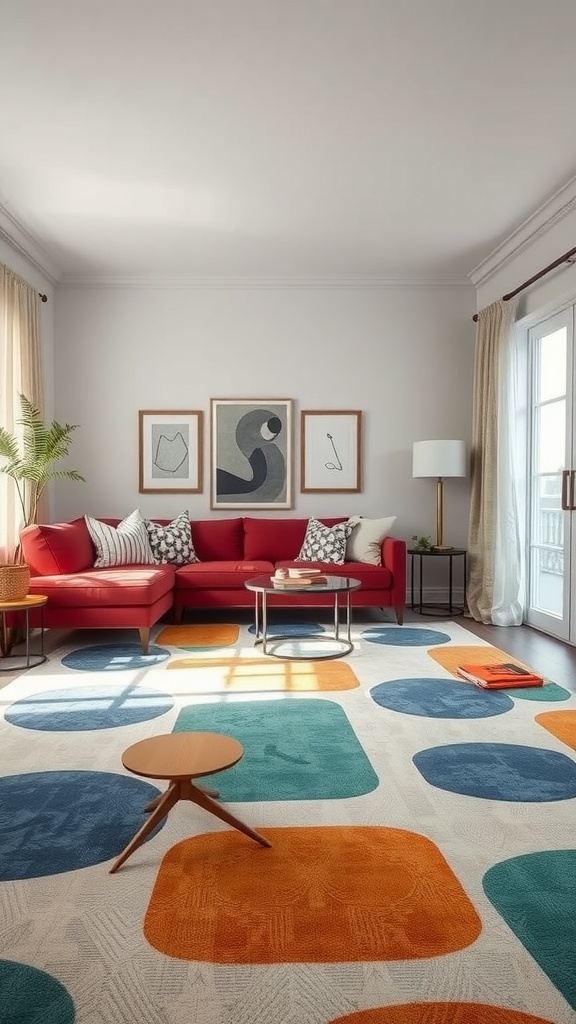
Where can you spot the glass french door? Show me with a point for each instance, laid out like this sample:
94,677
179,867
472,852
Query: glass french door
551,568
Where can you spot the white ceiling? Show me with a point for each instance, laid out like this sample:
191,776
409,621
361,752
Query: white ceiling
282,138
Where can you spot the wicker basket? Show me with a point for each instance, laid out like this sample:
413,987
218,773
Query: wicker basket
14,582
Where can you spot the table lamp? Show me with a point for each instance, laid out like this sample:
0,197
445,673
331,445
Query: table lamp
439,459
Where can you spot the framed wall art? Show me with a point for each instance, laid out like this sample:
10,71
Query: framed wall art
251,453
170,451
330,450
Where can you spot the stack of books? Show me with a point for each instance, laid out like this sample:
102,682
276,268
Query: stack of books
297,577
500,677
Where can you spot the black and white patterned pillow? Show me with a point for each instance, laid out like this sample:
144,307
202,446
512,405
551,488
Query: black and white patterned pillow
172,543
125,544
325,543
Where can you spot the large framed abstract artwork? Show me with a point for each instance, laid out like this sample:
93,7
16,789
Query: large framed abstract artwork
170,451
250,453
330,450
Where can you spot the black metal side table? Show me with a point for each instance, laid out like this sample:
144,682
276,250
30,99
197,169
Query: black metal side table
437,609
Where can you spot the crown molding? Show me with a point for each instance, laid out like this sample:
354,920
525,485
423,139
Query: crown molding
272,283
28,246
553,210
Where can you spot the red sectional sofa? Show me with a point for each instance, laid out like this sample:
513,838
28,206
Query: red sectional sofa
230,551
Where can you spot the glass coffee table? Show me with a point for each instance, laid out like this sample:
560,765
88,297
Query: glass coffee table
336,643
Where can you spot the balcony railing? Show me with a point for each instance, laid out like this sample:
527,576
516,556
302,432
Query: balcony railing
552,534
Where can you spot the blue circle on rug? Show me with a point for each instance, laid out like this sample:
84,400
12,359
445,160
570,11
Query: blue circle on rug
30,996
499,771
432,697
404,636
79,709
291,628
114,658
51,822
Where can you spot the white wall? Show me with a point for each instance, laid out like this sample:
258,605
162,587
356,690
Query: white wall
403,355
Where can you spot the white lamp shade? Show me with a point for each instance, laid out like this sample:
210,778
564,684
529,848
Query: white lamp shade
439,458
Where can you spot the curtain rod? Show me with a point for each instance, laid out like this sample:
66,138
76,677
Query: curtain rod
43,298
568,257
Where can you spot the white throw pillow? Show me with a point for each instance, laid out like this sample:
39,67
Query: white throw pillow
325,543
365,542
125,544
172,543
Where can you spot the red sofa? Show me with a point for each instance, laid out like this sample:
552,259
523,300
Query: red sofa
231,551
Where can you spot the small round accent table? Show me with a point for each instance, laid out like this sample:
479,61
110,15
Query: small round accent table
180,757
437,610
18,662
340,645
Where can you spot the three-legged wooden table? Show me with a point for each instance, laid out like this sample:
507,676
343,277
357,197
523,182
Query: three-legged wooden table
180,757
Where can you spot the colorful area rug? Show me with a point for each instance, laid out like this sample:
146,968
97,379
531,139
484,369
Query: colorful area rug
423,851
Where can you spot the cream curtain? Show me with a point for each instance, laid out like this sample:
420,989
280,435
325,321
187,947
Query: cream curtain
20,373
496,582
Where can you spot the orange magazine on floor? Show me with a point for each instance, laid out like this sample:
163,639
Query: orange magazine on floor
500,677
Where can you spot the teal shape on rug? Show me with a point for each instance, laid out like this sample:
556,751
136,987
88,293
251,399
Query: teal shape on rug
293,749
550,691
536,895
30,996
430,697
114,658
499,771
80,709
57,821
404,636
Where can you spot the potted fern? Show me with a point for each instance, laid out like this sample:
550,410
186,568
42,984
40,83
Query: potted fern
30,460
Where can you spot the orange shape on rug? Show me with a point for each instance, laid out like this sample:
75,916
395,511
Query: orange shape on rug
440,1013
561,724
450,657
213,634
319,895
226,675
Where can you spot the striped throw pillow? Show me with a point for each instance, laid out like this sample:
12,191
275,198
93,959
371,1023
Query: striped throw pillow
125,544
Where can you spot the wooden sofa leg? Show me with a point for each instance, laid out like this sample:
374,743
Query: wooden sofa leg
399,615
176,616
144,639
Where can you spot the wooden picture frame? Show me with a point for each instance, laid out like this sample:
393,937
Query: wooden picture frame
330,451
251,453
170,449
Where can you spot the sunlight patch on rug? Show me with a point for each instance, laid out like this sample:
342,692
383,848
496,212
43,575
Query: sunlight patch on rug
320,894
80,709
536,896
229,675
114,658
293,749
499,771
561,724
440,1013
199,635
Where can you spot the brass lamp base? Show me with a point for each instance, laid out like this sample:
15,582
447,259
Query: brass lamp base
442,547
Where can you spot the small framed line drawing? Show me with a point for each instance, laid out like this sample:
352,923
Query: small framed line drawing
330,450
170,451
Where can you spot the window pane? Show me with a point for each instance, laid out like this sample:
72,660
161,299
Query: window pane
551,368
551,438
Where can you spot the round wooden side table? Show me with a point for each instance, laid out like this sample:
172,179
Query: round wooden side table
180,757
19,662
